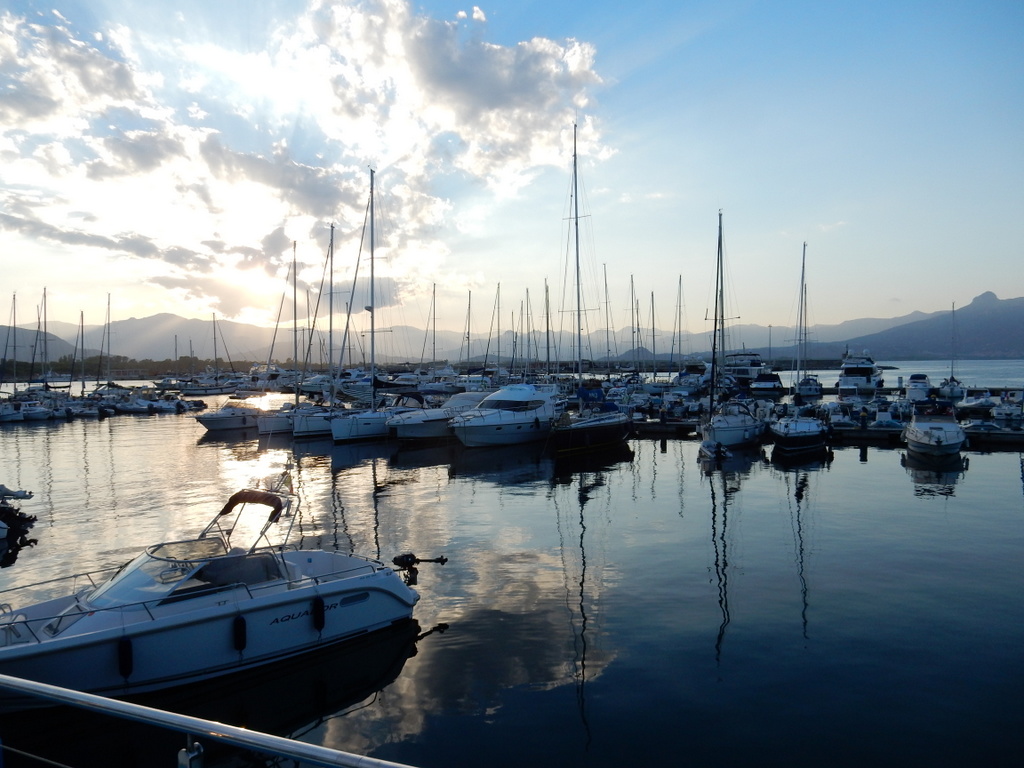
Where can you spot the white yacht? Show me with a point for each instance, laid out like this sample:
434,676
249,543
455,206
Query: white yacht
518,413
860,372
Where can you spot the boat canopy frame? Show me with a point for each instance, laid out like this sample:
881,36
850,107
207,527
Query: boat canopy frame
282,506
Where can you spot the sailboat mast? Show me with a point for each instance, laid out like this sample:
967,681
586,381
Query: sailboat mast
654,355
216,365
81,332
14,341
718,338
801,341
373,326
547,329
330,308
295,321
576,231
607,324
46,343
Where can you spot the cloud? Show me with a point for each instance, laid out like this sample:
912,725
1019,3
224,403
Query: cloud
53,79
160,143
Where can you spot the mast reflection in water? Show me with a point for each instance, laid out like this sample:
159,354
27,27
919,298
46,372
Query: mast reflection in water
638,608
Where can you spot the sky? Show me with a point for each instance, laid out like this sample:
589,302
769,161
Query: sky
176,157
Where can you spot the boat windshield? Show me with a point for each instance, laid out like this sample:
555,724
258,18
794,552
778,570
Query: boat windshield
156,571
512,405
853,371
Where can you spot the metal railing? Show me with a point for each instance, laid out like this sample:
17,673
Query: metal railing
192,727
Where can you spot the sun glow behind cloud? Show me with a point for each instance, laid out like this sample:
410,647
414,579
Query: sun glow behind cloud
192,164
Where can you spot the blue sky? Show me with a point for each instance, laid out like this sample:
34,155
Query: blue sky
169,154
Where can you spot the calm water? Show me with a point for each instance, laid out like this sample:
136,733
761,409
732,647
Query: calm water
855,612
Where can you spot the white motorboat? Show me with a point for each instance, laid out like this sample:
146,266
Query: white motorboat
518,413
919,387
191,610
432,423
796,433
767,384
34,410
744,367
236,415
859,372
10,411
934,434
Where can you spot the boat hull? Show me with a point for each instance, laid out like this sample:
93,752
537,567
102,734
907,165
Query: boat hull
798,435
310,425
934,437
507,432
372,425
137,649
591,433
926,448
425,429
733,426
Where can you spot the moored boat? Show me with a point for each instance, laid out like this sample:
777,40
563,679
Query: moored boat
432,423
595,424
798,433
934,434
859,372
730,423
191,610
518,413
235,415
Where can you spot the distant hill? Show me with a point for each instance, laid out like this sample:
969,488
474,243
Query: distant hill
988,327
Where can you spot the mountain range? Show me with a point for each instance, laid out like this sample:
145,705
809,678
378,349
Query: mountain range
987,328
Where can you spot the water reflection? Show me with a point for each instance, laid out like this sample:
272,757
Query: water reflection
292,698
414,455
811,460
934,475
738,462
504,465
229,436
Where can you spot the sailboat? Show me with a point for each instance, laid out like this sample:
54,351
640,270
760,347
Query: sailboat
808,385
951,388
212,382
372,423
730,423
796,432
280,421
595,424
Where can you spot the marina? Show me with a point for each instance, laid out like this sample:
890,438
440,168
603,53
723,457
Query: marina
855,607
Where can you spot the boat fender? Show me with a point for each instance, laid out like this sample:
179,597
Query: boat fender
319,613
238,633
125,661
